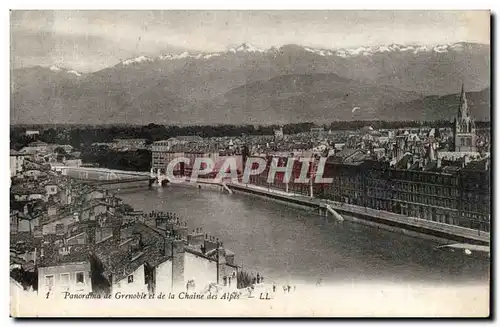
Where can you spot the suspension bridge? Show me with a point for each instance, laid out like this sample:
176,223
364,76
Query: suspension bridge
105,176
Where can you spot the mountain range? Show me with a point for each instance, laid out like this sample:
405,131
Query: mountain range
245,84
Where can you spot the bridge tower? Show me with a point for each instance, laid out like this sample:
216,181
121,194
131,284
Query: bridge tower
159,175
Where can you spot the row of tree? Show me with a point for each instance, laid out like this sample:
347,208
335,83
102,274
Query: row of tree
139,160
78,135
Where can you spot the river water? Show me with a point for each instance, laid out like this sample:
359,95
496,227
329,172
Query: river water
292,245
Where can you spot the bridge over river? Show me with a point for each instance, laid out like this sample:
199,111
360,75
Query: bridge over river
104,176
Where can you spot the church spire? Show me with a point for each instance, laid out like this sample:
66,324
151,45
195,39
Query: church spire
463,110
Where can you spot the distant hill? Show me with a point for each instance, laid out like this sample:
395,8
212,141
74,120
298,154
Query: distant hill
442,107
297,98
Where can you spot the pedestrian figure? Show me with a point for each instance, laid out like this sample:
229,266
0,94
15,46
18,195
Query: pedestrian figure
294,288
289,288
274,288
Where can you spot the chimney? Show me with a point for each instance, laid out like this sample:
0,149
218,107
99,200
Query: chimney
162,247
209,244
136,246
91,233
117,232
177,249
221,262
196,238
181,229
466,160
169,224
432,156
399,149
37,232
158,221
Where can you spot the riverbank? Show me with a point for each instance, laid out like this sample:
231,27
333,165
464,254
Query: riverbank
413,226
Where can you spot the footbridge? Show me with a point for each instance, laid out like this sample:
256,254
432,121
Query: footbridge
105,176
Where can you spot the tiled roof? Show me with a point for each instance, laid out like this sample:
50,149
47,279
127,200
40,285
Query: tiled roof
117,261
24,189
478,165
188,138
77,253
403,163
450,169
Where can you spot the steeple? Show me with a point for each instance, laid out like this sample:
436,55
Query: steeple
463,110
464,132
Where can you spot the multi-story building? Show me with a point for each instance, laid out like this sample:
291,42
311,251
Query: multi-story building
278,133
417,187
474,196
16,162
429,195
129,144
346,170
65,269
278,181
163,154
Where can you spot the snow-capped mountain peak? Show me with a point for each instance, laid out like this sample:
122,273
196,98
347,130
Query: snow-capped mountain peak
136,60
246,47
74,72
57,69
363,51
319,51
182,55
441,48
372,50
54,68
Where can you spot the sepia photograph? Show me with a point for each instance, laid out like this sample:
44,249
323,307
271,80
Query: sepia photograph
250,163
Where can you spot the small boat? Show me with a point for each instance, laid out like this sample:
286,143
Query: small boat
477,251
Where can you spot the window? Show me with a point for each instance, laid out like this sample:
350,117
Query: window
49,281
130,279
79,277
65,279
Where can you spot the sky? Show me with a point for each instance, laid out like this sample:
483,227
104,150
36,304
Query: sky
91,40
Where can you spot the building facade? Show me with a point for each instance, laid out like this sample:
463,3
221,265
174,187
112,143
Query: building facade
457,195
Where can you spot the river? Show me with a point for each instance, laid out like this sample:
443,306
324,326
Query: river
292,245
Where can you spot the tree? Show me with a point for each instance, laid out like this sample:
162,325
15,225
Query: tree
244,279
59,150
